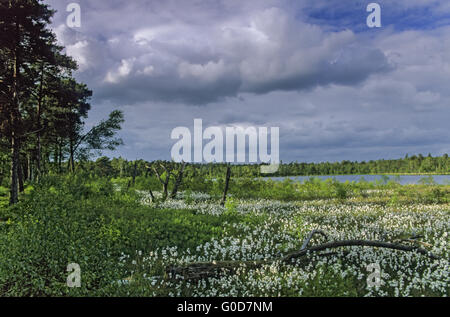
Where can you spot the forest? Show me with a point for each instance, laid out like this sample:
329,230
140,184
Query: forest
43,107
416,164
74,222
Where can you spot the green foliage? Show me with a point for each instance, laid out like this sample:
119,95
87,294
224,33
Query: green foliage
340,190
95,221
102,136
188,196
437,195
4,198
49,231
85,221
336,285
230,206
394,200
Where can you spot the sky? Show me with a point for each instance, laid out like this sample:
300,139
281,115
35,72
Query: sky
337,89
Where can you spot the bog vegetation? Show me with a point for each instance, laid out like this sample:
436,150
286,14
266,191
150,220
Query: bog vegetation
126,237
134,227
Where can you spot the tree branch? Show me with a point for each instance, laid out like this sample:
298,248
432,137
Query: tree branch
200,270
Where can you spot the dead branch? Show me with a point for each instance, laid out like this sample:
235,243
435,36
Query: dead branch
157,174
195,271
360,243
178,181
151,195
309,237
165,182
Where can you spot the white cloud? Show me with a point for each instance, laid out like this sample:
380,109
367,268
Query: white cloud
79,52
122,71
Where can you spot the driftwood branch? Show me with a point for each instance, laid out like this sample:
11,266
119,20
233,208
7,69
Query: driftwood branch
195,271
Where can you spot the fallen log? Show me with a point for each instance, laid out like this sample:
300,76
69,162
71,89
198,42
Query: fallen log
199,270
360,243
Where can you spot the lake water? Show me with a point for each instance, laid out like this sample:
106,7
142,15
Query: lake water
402,179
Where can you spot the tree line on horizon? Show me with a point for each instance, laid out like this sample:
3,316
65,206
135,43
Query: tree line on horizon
120,167
43,108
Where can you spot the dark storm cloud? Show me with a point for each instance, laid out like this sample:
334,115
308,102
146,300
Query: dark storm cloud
211,55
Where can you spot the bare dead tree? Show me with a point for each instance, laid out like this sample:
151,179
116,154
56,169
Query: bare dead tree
164,182
147,174
178,181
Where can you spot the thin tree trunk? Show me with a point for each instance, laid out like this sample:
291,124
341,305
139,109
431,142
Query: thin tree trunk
14,190
25,169
134,173
39,111
29,168
60,157
44,161
178,181
165,190
165,183
71,160
151,195
55,156
20,176
14,120
38,154
227,181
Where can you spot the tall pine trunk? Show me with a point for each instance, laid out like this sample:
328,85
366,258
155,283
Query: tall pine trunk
39,111
20,177
14,118
60,157
25,168
29,167
71,160
14,190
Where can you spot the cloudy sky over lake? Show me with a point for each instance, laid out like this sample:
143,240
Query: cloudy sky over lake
336,88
